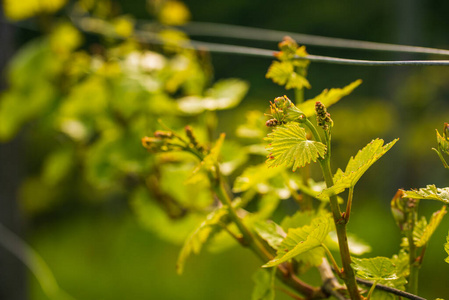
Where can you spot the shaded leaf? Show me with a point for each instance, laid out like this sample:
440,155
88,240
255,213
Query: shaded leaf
264,288
299,219
327,97
289,146
201,235
303,240
430,192
375,269
296,81
270,232
421,237
356,245
357,166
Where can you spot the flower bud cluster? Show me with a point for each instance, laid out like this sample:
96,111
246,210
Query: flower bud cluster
282,110
323,118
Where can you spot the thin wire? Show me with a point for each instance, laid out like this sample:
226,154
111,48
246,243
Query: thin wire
258,34
101,27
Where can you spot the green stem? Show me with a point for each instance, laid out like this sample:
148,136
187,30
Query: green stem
299,96
348,275
371,290
331,257
312,128
249,240
412,286
349,204
441,158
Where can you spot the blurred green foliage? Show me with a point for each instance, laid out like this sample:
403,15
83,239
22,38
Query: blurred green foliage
83,103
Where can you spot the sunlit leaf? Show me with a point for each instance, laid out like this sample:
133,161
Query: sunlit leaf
254,176
374,269
299,219
200,236
357,166
296,81
224,94
303,240
280,72
290,147
430,192
264,288
421,238
327,97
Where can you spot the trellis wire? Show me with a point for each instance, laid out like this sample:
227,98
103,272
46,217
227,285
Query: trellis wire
99,26
258,34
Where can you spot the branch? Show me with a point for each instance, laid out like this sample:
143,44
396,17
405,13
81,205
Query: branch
391,290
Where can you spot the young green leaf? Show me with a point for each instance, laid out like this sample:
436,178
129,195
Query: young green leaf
303,240
289,146
201,235
280,72
375,269
357,166
430,192
327,97
264,289
421,237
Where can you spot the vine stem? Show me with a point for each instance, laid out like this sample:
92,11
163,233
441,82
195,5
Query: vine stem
412,286
348,274
249,240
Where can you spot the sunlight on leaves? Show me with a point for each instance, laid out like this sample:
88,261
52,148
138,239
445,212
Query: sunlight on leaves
289,146
375,269
303,240
422,236
430,192
328,98
357,166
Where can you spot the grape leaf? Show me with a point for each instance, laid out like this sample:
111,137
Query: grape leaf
264,289
374,269
201,235
302,241
296,81
290,146
280,72
430,192
357,166
223,95
421,237
253,176
327,97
